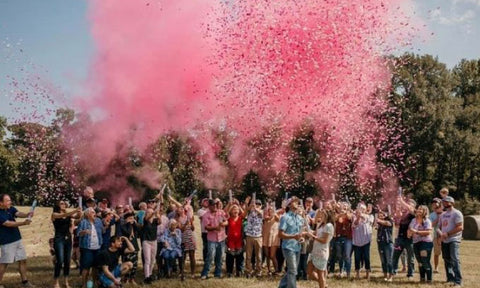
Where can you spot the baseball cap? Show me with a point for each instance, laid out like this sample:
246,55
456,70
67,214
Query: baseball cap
292,199
436,200
258,201
448,199
211,202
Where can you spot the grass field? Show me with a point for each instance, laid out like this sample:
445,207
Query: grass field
41,268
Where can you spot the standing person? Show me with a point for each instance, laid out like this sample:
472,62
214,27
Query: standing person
140,214
318,260
62,241
119,212
234,241
385,243
130,229
302,262
290,231
185,223
88,193
161,228
271,241
403,242
343,239
108,221
451,227
421,229
89,232
330,207
200,214
111,270
215,222
361,238
437,210
11,245
149,243
253,233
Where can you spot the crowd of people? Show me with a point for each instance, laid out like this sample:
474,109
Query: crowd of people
299,240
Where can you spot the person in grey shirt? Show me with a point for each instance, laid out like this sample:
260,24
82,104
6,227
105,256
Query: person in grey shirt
451,227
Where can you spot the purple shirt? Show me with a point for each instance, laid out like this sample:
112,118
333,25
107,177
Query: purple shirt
427,225
362,231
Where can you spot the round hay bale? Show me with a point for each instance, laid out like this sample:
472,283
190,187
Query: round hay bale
471,227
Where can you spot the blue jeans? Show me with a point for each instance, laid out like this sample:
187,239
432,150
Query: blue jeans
63,254
362,254
302,266
423,253
450,253
205,246
343,251
170,256
290,279
331,257
400,245
386,253
215,251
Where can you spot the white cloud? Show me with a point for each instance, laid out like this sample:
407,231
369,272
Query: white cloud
454,18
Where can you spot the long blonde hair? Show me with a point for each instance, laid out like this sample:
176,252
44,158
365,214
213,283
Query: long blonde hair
425,210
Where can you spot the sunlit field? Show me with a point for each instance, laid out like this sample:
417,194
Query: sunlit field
40,271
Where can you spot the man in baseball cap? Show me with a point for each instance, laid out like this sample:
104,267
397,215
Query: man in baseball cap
290,230
451,227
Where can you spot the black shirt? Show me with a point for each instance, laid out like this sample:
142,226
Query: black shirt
149,230
131,232
403,227
384,233
109,258
8,234
62,226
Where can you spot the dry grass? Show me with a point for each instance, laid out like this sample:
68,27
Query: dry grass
41,270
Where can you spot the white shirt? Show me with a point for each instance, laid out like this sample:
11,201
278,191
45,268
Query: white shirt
94,243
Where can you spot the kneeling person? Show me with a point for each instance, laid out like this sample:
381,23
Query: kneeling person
108,261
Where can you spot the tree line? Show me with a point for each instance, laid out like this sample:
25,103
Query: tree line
436,108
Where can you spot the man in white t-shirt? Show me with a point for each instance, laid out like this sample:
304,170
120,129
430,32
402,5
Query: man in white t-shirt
451,227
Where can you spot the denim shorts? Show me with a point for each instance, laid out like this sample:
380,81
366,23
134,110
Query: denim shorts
87,258
107,282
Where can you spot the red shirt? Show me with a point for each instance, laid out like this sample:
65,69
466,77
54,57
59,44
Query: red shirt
343,227
234,235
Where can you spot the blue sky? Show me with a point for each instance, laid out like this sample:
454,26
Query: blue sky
51,38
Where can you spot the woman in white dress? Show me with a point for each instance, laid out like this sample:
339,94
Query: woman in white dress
318,259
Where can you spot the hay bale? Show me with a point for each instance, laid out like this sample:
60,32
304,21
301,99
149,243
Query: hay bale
471,227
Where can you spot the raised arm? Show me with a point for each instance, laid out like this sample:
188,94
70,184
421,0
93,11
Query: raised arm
178,204
56,215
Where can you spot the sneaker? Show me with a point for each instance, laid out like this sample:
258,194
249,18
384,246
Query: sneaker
147,280
204,277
